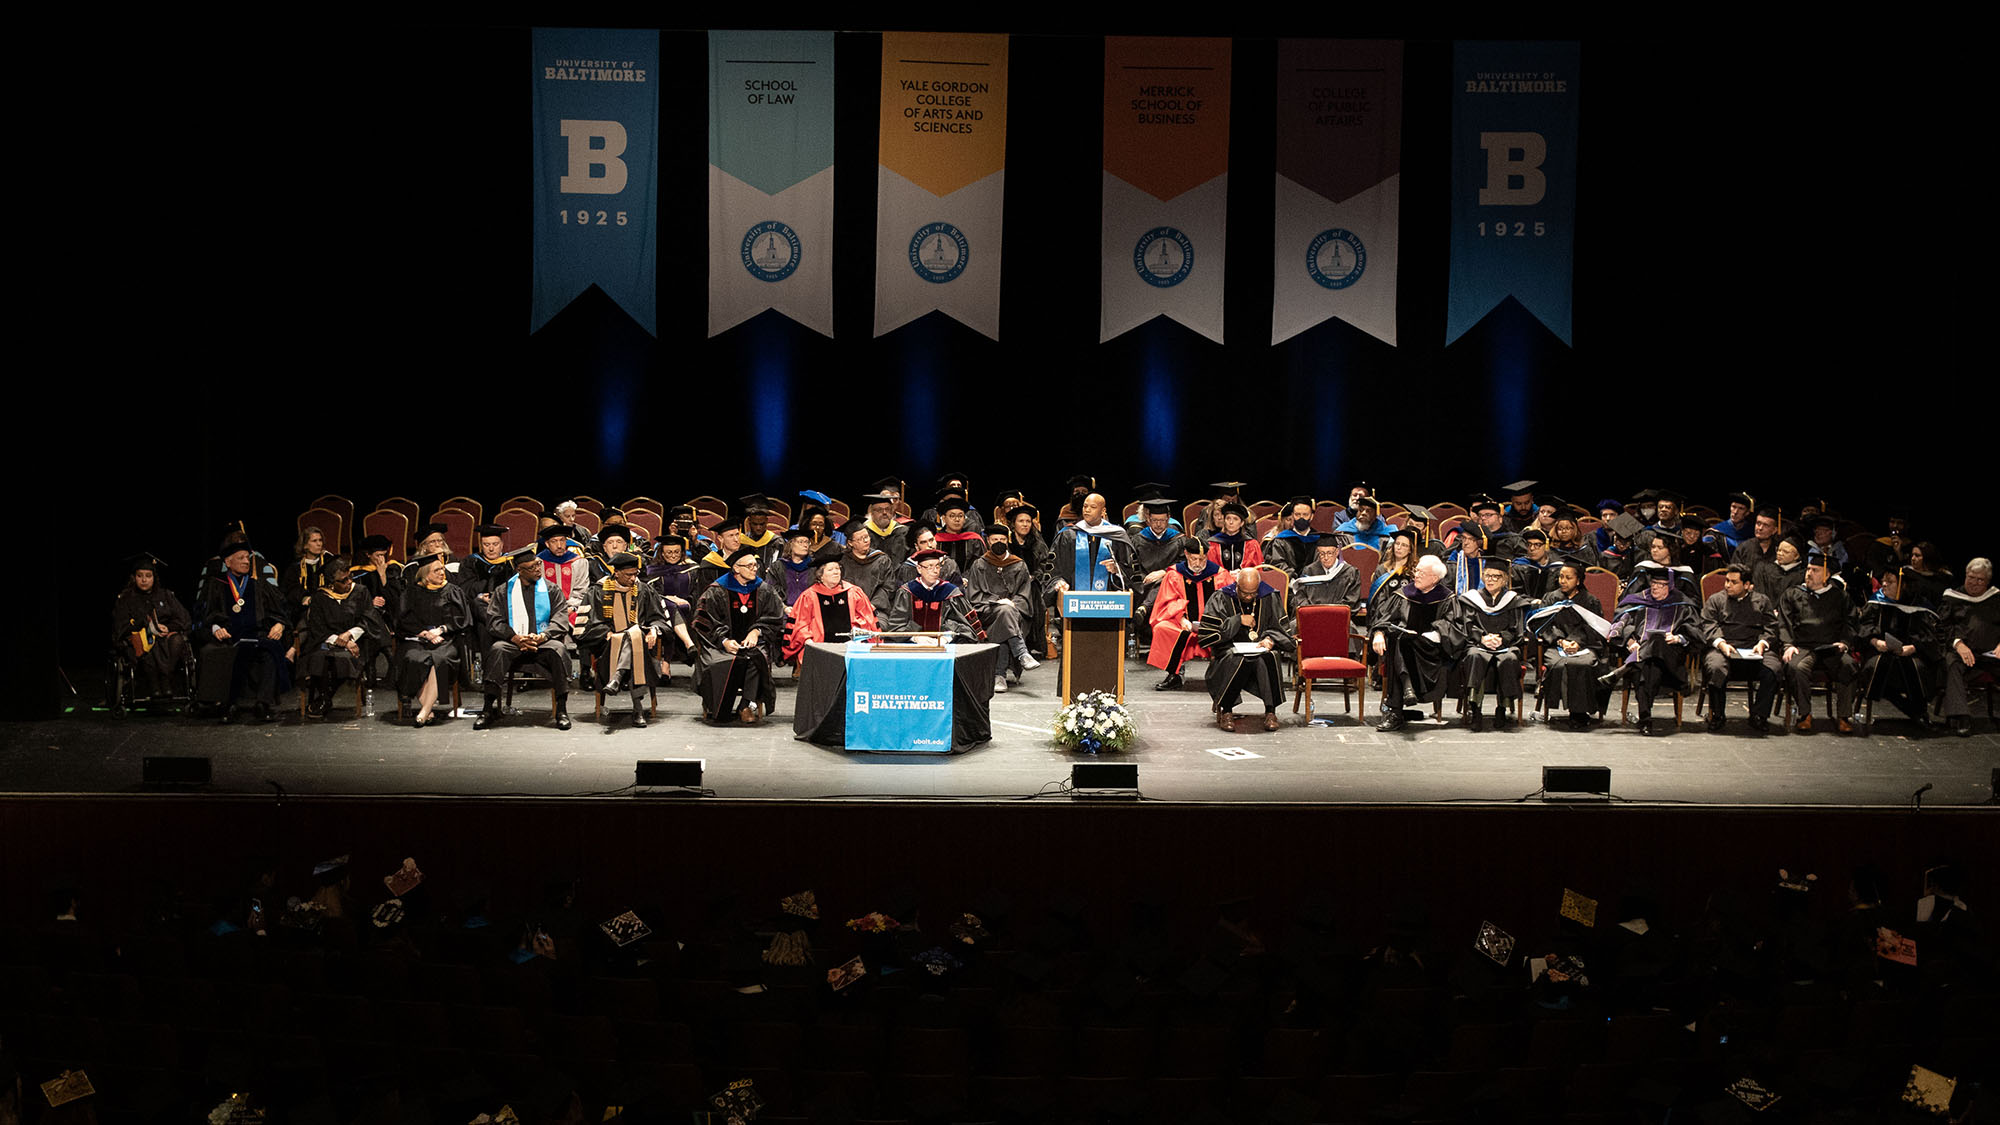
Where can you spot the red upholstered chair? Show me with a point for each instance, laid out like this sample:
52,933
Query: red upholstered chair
1266,526
331,526
589,504
466,504
345,507
1191,513
1711,583
1280,581
1446,525
458,524
646,520
1324,516
712,504
525,503
1325,645
1446,509
1131,508
411,513
782,509
645,504
587,520
1264,508
520,524
1604,586
840,511
1364,560
392,525
1394,513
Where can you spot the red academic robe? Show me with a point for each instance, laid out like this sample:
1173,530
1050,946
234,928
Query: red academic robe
1253,555
1178,607
807,625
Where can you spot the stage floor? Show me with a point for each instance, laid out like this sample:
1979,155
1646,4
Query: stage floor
1348,761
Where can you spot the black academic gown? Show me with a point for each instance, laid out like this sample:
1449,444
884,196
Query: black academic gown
1230,674
917,608
1908,681
1532,579
327,616
1041,568
422,609
1105,541
961,547
1000,593
728,610
163,623
1572,676
1342,586
1657,661
1473,615
1415,661
876,575
250,660
1976,622
1291,552
644,611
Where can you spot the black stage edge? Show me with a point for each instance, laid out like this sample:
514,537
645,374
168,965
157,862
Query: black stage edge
1462,864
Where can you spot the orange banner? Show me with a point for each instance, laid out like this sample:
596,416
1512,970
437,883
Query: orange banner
1166,112
944,108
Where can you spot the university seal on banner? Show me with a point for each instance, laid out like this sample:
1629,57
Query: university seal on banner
771,251
1336,258
938,252
1164,257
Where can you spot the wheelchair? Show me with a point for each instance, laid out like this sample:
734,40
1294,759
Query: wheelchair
122,683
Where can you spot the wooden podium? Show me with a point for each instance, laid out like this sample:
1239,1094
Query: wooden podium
1093,641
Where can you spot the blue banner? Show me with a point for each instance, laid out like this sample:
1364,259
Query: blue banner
899,702
596,123
1513,182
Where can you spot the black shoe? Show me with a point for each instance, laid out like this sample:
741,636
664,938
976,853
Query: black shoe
1645,726
1760,726
1961,726
1473,720
1579,722
229,716
563,722
1715,720
1173,682
483,721
265,714
1504,720
638,718
1394,722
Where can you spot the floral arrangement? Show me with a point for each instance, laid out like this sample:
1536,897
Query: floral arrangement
1096,721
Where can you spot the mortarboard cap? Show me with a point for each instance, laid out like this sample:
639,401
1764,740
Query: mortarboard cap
1148,490
1419,512
1159,507
1819,521
238,547
888,484
873,498
614,530
1409,533
373,543
1080,480
1669,496
432,528
1626,527
820,498
1744,499
1193,545
144,560
1645,494
426,560
1495,562
1817,557
951,482
1371,502
486,529
1229,487
753,503
1519,487
1000,500
1483,503
800,532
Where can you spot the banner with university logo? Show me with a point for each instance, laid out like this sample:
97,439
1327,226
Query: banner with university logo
1166,183
1513,182
900,702
596,121
1340,181
941,179
770,177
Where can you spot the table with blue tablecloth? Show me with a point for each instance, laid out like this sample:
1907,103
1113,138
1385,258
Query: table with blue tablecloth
896,703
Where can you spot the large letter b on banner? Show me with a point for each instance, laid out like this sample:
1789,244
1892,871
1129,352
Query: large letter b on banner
585,158
1502,166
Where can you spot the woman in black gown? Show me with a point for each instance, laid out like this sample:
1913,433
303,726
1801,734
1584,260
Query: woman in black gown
430,621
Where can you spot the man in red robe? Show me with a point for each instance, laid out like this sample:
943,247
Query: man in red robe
1184,594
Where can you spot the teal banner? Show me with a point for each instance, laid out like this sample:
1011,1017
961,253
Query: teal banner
596,143
899,702
1513,182
770,177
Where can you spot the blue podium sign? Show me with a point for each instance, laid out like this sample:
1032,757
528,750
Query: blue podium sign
1097,603
899,702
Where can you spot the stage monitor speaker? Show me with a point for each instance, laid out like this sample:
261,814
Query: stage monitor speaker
685,772
1104,779
158,771
1576,781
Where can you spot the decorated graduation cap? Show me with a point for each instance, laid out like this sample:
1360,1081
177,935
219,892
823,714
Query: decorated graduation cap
372,543
553,531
